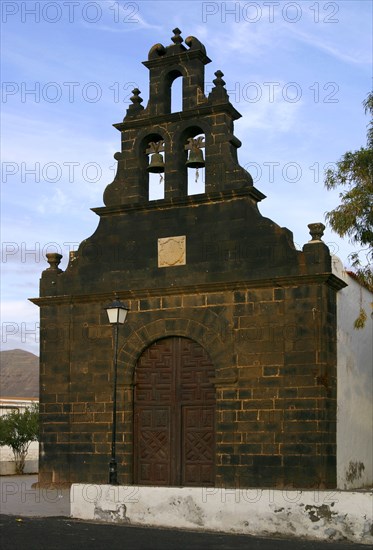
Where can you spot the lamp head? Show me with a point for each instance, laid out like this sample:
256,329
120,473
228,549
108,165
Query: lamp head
117,312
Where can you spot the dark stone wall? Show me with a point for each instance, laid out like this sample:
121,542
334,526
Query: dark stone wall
273,348
264,311
226,240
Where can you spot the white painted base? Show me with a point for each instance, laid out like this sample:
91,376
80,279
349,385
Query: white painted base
326,515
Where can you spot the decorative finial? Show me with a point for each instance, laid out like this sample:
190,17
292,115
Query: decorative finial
54,260
218,81
136,102
316,231
136,96
218,93
176,39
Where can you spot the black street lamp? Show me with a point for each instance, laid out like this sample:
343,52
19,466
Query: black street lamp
117,313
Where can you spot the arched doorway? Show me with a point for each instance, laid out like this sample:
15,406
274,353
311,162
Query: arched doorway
174,415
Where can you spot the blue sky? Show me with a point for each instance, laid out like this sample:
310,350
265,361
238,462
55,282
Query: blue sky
296,71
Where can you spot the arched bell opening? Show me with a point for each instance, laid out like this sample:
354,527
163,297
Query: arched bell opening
173,91
177,95
195,164
152,166
193,142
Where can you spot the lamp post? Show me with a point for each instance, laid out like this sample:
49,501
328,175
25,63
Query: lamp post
117,313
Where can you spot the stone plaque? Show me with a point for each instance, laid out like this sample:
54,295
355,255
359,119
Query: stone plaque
171,251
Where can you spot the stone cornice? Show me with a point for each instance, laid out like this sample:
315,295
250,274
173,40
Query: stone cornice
319,278
189,200
143,119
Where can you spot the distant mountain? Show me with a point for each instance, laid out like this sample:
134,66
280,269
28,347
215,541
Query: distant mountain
19,374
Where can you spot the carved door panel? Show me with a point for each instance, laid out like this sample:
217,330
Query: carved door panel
154,445
174,415
198,446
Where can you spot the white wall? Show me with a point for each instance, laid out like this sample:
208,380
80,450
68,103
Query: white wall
8,465
354,385
319,515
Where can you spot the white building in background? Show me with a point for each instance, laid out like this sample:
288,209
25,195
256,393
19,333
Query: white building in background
354,384
8,404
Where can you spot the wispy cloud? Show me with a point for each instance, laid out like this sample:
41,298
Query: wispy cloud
345,51
121,18
245,41
277,117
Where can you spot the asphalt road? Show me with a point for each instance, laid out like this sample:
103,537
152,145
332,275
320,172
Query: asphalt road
58,533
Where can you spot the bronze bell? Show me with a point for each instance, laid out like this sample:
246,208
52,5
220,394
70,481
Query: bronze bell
195,159
156,165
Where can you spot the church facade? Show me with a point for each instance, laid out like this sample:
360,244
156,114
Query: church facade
227,359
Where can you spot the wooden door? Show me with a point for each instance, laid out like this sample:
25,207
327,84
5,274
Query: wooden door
174,415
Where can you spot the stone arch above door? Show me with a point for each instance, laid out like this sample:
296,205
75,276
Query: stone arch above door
207,330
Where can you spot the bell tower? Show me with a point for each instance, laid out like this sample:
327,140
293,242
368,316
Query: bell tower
227,360
200,135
